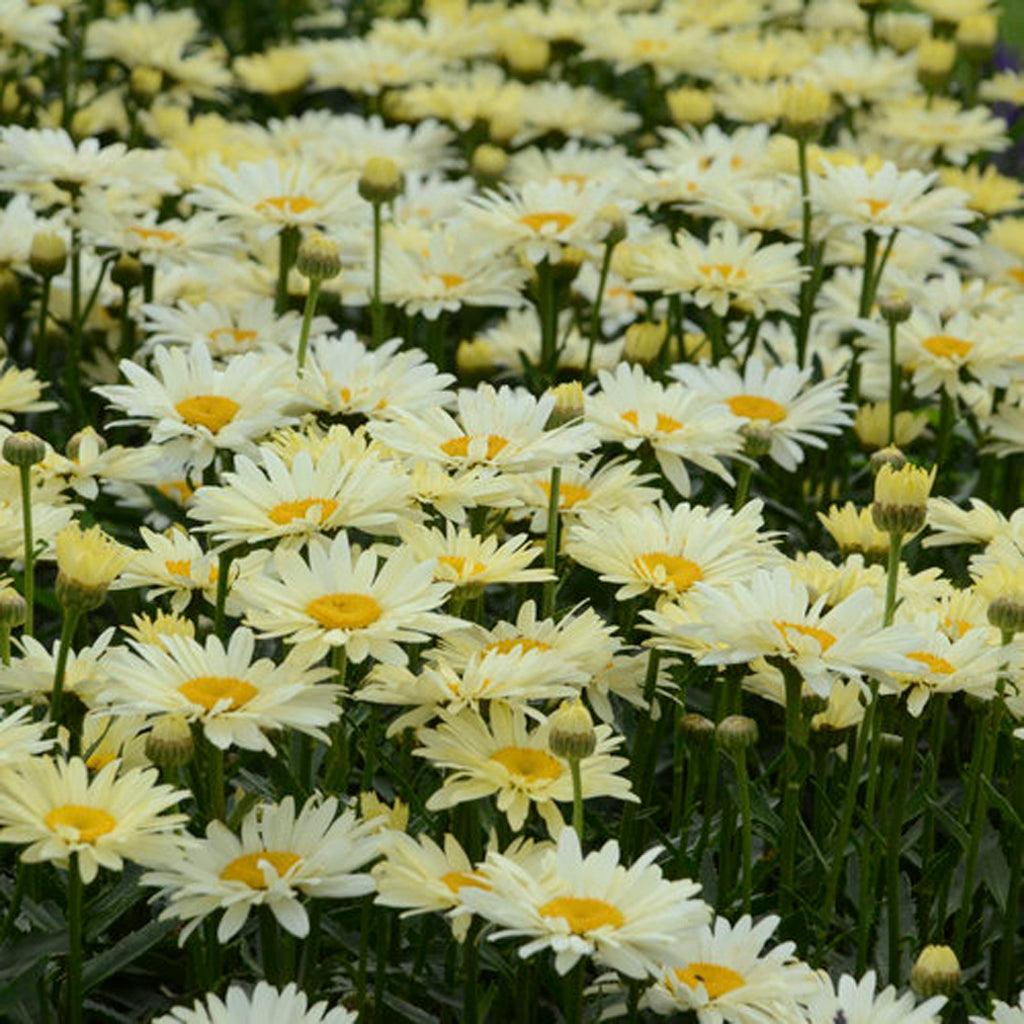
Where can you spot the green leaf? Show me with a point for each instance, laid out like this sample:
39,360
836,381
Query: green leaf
125,952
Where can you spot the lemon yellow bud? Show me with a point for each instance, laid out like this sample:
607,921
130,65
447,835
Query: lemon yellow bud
935,60
568,402
488,163
381,180
169,743
526,55
48,255
318,258
805,110
901,498
936,972
572,734
643,342
690,106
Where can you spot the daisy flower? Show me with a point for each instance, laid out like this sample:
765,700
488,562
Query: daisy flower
20,392
36,27
502,757
280,502
681,425
31,673
504,428
236,699
198,409
773,615
420,877
980,524
855,533
450,493
171,563
858,1002
670,550
777,398
464,559
342,376
345,598
630,919
1003,1013
724,974
54,809
625,676
540,218
264,1005
278,858
277,194
21,739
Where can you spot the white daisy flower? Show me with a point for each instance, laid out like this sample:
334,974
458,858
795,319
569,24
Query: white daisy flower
629,919
278,858
857,1002
21,739
54,808
264,1005
31,672
171,563
236,699
1003,1013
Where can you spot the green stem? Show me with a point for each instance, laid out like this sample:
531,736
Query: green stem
67,632
806,298
894,382
44,311
269,946
644,758
574,993
894,851
307,319
743,478
25,473
1011,916
73,1012
946,417
792,784
215,782
224,561
551,543
470,975
577,797
287,247
892,576
746,826
595,312
870,256
72,365
376,306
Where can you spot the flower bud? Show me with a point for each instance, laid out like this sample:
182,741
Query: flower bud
615,219
505,125
690,106
381,180
901,498
318,258
643,342
805,110
871,425
10,287
1007,615
145,84
475,355
12,608
935,60
488,164
49,254
126,273
88,561
568,403
697,729
757,438
896,309
890,455
936,972
736,733
24,448
976,35
525,55
74,445
572,734
169,743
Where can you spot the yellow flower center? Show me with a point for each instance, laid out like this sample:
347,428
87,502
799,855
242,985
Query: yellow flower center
573,178
618,291
457,563
208,691
662,421
344,611
959,626
180,490
247,867
179,566
451,280
529,764
945,346
1017,275
716,979
89,822
540,220
933,662
650,47
568,494
211,411
679,572
456,880
823,636
583,913
151,234
293,205
725,271
286,511
458,447
522,644
876,206
757,407
97,761
236,334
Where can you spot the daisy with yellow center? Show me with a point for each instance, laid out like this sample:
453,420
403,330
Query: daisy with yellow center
777,399
680,424
629,919
55,808
237,698
279,858
21,737
289,502
500,756
264,1003
340,597
771,614
670,550
276,194
170,563
32,668
194,408
464,559
725,974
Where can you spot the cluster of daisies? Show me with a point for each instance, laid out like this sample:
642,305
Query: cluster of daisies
511,510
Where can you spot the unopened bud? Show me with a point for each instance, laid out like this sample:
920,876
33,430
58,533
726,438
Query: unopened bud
895,310
474,356
10,287
890,456
757,438
48,255
901,498
935,60
643,342
127,272
936,972
805,110
615,219
169,743
736,733
24,448
697,730
526,55
690,106
318,258
12,608
488,164
568,403
1007,615
381,180
74,446
572,734
976,35
145,85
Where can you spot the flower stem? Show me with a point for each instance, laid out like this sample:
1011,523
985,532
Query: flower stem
67,631
25,472
376,306
894,382
551,542
577,797
73,1012
287,247
223,573
793,780
892,576
746,826
307,319
893,851
269,946
595,312
743,478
